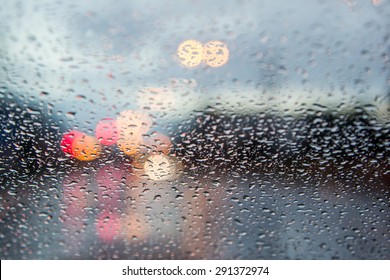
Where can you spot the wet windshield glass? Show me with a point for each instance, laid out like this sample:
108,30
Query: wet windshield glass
194,129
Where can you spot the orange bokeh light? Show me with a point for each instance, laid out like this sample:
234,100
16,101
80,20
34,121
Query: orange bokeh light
86,148
131,145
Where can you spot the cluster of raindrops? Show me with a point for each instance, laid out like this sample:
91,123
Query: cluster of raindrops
130,131
112,188
191,53
110,223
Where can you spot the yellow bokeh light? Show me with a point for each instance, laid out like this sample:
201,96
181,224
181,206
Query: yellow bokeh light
86,148
159,167
130,145
133,123
215,53
190,53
